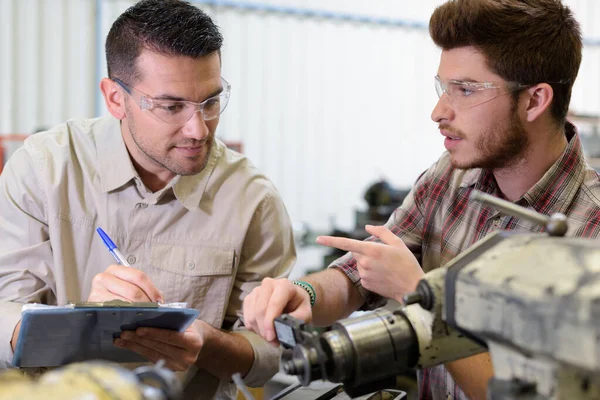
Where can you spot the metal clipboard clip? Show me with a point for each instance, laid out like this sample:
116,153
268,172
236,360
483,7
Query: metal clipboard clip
114,304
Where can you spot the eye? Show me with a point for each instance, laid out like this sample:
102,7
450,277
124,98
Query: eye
170,107
213,102
465,90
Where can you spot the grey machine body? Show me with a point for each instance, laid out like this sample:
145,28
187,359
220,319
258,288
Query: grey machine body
531,299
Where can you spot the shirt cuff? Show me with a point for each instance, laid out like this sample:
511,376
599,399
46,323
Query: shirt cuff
266,359
10,315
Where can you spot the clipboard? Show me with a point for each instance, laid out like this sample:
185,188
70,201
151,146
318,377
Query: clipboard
52,336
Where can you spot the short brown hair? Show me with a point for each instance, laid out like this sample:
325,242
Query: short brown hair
526,41
169,27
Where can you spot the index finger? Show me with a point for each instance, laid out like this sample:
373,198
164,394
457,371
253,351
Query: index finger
353,245
168,336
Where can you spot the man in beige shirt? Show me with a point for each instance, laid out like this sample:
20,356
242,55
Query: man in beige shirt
197,222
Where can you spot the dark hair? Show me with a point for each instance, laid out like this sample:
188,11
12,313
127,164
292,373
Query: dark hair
526,41
169,27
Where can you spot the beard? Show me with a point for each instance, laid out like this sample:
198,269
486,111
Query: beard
497,147
178,167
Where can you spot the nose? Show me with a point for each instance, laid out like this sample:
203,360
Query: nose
443,110
196,127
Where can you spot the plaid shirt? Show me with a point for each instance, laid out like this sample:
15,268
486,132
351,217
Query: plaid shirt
437,222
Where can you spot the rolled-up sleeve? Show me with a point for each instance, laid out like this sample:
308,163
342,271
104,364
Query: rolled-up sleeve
266,359
25,251
268,251
406,222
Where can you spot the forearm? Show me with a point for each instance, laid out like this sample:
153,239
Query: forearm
224,354
472,375
337,297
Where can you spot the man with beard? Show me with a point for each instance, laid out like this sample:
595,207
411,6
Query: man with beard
504,84
196,221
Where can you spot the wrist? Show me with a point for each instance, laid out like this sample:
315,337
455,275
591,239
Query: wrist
410,288
308,288
207,333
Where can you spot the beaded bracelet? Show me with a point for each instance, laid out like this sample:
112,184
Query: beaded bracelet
309,289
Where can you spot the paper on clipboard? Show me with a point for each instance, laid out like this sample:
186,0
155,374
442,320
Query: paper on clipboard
57,335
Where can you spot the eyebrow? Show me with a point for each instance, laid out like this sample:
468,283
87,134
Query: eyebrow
465,79
170,97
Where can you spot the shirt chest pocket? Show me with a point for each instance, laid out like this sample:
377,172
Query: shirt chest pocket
201,276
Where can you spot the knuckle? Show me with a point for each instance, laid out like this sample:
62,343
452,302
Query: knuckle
111,268
376,252
134,294
139,277
93,296
98,279
268,281
140,297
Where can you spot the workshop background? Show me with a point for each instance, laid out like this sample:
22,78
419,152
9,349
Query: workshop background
328,96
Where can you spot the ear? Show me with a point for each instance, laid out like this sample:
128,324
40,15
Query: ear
539,100
113,97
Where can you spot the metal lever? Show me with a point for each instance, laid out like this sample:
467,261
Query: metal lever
555,225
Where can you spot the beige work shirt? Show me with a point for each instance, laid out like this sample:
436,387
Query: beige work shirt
206,239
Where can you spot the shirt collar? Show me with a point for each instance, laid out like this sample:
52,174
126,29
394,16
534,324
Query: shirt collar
116,168
114,164
555,190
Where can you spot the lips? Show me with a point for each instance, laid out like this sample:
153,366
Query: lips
190,151
450,135
190,148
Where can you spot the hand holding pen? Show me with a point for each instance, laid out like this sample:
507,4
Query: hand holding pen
179,349
122,281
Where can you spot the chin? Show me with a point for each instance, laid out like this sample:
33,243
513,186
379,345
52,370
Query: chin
462,163
193,169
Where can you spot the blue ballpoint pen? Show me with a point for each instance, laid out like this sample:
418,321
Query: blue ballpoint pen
112,248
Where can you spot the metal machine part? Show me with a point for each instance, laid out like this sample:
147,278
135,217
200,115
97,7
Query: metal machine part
353,351
533,299
555,224
98,380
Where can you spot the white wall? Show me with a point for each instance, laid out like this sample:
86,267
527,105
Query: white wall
324,106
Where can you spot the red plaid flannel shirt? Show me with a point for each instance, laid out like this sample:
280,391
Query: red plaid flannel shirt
437,222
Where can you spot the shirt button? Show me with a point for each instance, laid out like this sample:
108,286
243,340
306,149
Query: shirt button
131,259
191,265
143,205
